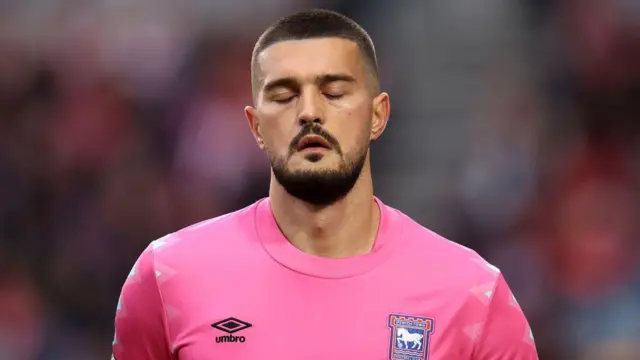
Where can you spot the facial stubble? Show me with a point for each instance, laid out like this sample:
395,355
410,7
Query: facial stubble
320,187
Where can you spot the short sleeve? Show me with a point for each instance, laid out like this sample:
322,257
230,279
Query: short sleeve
505,334
140,323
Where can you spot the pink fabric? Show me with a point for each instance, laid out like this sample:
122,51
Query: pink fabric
414,296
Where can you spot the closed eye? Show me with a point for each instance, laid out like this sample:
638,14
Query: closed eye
333,97
283,100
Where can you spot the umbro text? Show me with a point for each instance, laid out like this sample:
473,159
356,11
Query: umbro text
230,338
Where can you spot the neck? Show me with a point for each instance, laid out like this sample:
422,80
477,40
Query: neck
345,228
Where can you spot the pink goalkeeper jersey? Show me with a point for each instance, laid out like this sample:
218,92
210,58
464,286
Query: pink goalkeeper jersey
234,288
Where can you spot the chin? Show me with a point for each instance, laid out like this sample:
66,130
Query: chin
312,159
311,162
311,168
315,157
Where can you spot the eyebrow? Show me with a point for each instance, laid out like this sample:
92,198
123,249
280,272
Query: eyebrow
293,84
330,78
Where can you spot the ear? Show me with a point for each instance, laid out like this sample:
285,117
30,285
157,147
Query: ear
381,111
254,125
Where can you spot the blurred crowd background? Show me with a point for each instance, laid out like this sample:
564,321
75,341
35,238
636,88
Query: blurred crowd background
515,130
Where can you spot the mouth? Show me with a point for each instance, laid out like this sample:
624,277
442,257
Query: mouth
313,143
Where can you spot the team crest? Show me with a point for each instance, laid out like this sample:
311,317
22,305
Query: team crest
409,339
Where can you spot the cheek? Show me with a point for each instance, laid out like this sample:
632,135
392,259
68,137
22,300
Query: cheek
353,122
273,142
359,130
353,140
276,137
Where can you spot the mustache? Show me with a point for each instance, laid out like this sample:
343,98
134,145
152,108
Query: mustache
314,130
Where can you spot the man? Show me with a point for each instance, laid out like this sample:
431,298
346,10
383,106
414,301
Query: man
321,269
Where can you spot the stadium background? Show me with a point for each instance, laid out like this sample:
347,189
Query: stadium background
514,131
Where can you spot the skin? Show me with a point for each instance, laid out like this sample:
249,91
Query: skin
328,85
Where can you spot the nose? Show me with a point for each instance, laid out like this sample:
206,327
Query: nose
311,110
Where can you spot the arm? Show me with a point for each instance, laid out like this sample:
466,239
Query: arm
505,333
140,327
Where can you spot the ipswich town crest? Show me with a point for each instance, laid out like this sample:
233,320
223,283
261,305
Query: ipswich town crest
409,339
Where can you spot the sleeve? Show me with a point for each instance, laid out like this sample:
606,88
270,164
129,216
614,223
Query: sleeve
141,331
505,333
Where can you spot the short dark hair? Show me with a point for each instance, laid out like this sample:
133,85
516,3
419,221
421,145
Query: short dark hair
312,24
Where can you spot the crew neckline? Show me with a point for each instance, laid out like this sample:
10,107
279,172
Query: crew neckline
282,251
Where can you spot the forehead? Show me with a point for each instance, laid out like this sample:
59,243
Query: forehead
310,57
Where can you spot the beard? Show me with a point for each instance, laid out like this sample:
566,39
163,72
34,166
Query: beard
319,187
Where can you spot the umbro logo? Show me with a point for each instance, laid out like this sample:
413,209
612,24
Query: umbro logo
230,326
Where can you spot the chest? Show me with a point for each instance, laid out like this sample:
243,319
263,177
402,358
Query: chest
321,320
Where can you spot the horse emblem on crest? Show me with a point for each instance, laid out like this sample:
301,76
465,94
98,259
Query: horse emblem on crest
409,338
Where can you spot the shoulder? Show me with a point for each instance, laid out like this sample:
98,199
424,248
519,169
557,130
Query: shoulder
444,261
209,238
